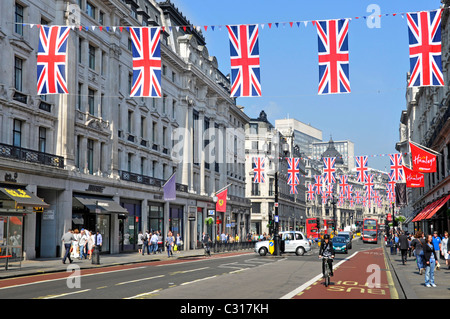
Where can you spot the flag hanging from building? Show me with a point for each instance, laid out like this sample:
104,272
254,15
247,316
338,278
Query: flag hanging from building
51,60
424,29
245,65
293,171
361,168
169,188
258,169
221,204
343,184
333,56
401,199
318,184
369,184
413,179
146,62
397,173
329,171
423,161
310,192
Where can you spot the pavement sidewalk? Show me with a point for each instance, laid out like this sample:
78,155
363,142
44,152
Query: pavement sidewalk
49,265
410,284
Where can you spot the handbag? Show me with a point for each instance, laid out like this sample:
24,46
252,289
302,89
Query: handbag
175,247
438,265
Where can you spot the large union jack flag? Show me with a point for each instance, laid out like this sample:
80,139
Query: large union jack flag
424,29
397,173
370,191
146,62
293,171
318,185
329,171
258,169
244,53
361,168
333,56
51,60
310,192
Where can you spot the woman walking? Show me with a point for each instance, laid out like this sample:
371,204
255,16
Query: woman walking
444,249
430,258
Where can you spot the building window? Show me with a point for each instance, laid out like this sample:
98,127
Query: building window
77,158
17,133
18,18
101,18
18,64
90,156
91,57
42,139
91,97
130,121
90,10
80,88
80,50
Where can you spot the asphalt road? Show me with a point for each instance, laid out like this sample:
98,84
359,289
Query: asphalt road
247,276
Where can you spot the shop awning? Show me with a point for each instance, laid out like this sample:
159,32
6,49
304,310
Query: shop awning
430,209
441,203
22,197
105,205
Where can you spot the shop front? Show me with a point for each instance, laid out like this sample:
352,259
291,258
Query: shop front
95,213
129,226
175,220
15,205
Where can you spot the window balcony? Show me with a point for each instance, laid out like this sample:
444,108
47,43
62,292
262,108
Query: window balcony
23,154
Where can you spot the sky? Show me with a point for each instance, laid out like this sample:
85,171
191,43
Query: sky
369,116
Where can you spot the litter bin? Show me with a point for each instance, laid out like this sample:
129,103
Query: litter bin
96,256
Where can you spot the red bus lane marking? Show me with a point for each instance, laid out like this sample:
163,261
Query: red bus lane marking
362,277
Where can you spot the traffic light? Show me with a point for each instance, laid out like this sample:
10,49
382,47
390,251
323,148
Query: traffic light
318,223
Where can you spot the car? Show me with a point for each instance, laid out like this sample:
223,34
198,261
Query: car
340,244
291,242
348,236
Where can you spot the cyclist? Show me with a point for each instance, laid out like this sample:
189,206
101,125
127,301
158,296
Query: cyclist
206,244
326,250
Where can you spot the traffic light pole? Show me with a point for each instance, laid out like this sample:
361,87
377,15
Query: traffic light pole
276,236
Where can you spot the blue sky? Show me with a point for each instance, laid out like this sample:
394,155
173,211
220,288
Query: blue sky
379,60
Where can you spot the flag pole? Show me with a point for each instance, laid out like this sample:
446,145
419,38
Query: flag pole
169,178
418,145
222,189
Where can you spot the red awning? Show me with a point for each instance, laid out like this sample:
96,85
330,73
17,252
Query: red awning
425,211
441,203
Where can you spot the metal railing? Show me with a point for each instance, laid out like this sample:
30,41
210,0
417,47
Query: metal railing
27,155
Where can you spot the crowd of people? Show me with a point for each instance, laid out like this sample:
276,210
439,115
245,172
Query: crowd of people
152,242
428,250
80,244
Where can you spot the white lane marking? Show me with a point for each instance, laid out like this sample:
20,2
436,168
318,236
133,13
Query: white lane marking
197,280
186,271
65,294
137,280
313,280
143,294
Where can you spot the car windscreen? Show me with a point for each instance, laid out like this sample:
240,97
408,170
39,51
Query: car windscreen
338,240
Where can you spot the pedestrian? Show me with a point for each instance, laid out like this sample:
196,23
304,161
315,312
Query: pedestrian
403,245
91,241
98,240
169,243
437,245
179,242
417,244
75,250
154,243
444,249
430,258
145,238
160,242
67,239
82,244
140,242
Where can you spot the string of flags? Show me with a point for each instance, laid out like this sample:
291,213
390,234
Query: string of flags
423,161
424,31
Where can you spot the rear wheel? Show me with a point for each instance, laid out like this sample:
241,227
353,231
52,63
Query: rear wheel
300,251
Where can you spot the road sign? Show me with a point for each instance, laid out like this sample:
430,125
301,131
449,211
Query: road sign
271,247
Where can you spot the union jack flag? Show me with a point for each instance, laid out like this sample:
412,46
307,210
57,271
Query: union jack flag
358,198
146,62
350,192
424,29
258,169
333,56
329,170
392,182
293,189
397,173
51,60
293,171
361,168
329,191
245,67
318,184
343,184
370,192
310,192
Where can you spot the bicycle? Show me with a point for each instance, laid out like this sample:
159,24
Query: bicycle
327,272
207,250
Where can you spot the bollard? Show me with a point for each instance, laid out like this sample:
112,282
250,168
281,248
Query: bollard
96,256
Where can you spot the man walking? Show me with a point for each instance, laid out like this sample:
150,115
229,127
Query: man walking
67,242
403,244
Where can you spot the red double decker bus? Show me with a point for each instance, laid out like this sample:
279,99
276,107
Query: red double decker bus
312,231
370,230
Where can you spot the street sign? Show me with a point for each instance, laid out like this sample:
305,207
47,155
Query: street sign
276,219
271,247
